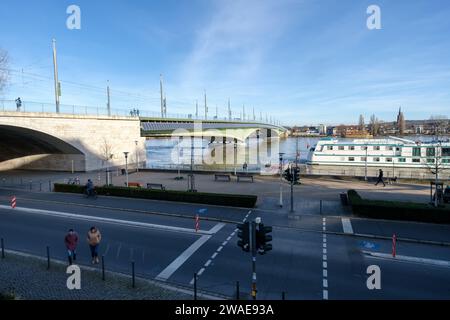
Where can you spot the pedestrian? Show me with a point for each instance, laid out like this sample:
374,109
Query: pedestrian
18,104
380,178
94,237
245,166
71,242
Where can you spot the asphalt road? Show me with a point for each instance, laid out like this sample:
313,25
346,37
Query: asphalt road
314,257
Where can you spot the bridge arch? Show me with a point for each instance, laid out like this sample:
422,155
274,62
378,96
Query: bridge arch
25,148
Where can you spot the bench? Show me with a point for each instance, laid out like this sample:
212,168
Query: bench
155,186
133,185
244,176
222,176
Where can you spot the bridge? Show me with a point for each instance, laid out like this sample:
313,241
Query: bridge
82,142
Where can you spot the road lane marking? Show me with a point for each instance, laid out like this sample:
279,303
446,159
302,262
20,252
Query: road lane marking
201,271
325,294
220,249
325,283
214,255
325,273
324,262
434,262
213,230
347,226
207,263
180,260
325,265
224,243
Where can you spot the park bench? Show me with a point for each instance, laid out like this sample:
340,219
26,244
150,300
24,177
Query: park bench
133,185
244,176
155,186
222,176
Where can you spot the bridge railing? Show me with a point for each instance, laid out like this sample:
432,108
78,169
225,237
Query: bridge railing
43,107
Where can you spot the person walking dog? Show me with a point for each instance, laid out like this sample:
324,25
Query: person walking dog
380,178
94,237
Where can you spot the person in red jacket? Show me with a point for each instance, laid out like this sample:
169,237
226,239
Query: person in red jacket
71,241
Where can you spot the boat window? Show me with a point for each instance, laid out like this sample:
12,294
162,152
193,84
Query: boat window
363,159
352,148
416,152
431,152
376,159
364,148
341,148
388,159
351,159
398,149
329,147
377,148
416,160
446,152
403,160
430,160
389,148
445,160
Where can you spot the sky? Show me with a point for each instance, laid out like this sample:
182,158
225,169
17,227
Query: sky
303,62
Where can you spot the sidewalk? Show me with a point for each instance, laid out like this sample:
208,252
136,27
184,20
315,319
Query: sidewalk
27,278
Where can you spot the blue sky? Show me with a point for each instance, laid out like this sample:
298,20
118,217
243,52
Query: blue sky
302,61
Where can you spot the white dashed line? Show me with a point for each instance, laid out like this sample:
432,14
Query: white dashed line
207,263
214,255
325,263
224,243
220,249
325,294
325,283
347,226
325,273
201,272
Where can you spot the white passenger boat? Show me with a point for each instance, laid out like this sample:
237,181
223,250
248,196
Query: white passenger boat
393,151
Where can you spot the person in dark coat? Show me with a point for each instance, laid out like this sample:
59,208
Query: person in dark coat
71,242
380,178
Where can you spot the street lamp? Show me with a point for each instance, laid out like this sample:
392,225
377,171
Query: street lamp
126,166
108,178
281,180
137,156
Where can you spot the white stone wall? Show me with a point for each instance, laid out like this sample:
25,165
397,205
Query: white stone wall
89,134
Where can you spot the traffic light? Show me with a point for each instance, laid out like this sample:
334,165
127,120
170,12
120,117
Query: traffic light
244,236
288,175
263,239
296,176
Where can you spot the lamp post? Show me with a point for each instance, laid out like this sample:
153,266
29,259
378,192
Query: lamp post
281,180
126,166
137,156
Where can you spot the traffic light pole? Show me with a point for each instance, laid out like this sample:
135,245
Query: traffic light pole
253,248
292,189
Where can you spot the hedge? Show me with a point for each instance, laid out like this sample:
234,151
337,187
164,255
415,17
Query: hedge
394,210
231,200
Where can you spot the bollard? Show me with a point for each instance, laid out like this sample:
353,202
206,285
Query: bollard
133,275
49,185
103,268
48,258
195,286
237,290
283,296
3,249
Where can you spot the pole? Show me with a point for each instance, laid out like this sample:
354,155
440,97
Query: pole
108,105
55,69
253,248
162,94
292,190
394,246
195,286
133,275
126,167
281,180
103,268
48,258
365,170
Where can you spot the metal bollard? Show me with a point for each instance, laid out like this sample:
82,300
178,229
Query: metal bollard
237,290
133,275
195,286
103,268
48,258
3,249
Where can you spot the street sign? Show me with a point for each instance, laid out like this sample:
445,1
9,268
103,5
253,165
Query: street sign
369,245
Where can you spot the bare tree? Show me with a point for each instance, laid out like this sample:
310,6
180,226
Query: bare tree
362,124
106,153
374,125
436,155
4,71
